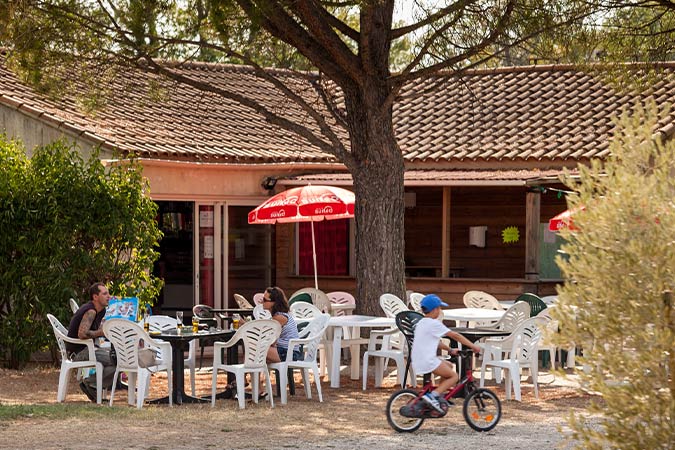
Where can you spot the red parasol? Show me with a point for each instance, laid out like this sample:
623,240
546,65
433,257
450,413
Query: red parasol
564,220
305,204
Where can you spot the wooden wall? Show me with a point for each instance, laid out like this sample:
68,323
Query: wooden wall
424,228
496,208
498,268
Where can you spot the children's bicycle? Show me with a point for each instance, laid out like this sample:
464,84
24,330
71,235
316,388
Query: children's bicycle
406,411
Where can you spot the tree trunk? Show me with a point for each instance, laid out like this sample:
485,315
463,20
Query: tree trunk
377,171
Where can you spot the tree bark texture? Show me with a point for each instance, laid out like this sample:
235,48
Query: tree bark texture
377,170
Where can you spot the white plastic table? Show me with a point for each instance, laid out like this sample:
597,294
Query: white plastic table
334,342
464,315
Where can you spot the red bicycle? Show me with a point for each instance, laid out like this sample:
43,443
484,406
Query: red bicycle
406,411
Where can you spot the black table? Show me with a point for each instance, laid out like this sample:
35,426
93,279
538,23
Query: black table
179,344
244,311
474,334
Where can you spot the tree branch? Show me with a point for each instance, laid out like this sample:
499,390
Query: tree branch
340,25
441,13
336,147
277,21
490,39
315,19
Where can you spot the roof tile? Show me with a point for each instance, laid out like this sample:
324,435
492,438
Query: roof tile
547,113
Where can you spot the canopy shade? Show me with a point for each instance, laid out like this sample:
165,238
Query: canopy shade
564,220
305,204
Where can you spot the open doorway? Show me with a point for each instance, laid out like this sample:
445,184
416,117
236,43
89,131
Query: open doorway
176,261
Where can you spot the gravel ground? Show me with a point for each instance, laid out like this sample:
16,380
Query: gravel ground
348,418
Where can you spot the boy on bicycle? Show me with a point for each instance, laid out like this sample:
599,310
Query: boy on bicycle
428,332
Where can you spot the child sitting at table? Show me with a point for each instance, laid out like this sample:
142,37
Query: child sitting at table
428,332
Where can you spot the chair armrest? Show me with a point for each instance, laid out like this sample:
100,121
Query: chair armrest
387,332
233,340
88,342
294,342
164,346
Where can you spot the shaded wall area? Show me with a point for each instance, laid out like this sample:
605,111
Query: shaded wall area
496,208
498,268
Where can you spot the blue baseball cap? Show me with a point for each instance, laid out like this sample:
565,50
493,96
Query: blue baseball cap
430,302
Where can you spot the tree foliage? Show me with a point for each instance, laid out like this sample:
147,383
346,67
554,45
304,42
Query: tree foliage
66,223
621,261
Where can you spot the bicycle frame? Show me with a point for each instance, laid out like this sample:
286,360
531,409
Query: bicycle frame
466,380
406,410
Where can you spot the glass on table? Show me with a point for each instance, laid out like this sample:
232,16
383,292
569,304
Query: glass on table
179,320
195,323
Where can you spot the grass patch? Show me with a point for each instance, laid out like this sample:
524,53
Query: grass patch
62,411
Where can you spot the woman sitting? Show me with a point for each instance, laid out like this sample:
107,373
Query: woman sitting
274,300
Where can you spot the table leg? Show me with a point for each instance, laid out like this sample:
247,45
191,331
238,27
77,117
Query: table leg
178,368
355,355
178,373
335,358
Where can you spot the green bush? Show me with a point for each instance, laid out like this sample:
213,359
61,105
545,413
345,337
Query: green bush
64,224
621,261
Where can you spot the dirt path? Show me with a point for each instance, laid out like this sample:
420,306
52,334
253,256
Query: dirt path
348,418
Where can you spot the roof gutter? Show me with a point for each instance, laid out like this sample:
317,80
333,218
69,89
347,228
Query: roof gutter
207,165
413,183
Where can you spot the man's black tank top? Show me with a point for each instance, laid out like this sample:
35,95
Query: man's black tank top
74,326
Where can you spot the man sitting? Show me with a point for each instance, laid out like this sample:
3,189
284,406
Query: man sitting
86,324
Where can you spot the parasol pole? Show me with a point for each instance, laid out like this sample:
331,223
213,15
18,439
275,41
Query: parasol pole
316,280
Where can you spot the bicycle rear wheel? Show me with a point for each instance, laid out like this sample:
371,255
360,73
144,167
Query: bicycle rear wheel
396,420
482,410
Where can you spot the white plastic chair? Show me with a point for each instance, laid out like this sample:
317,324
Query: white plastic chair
161,323
73,305
126,337
259,298
258,336
514,316
480,299
380,348
313,333
524,346
319,298
547,342
304,312
67,364
342,298
415,300
550,299
260,313
242,302
392,305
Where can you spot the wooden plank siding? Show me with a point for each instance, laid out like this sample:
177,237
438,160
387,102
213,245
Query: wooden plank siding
496,208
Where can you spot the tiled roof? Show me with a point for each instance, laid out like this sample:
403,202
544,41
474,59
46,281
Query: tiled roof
443,177
550,114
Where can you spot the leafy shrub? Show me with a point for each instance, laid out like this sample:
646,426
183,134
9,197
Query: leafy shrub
66,223
615,303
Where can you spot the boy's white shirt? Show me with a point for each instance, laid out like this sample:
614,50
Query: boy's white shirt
428,332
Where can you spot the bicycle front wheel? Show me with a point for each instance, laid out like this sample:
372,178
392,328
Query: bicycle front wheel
482,410
397,421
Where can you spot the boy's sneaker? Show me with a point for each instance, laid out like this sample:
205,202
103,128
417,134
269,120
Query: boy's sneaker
431,400
444,403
